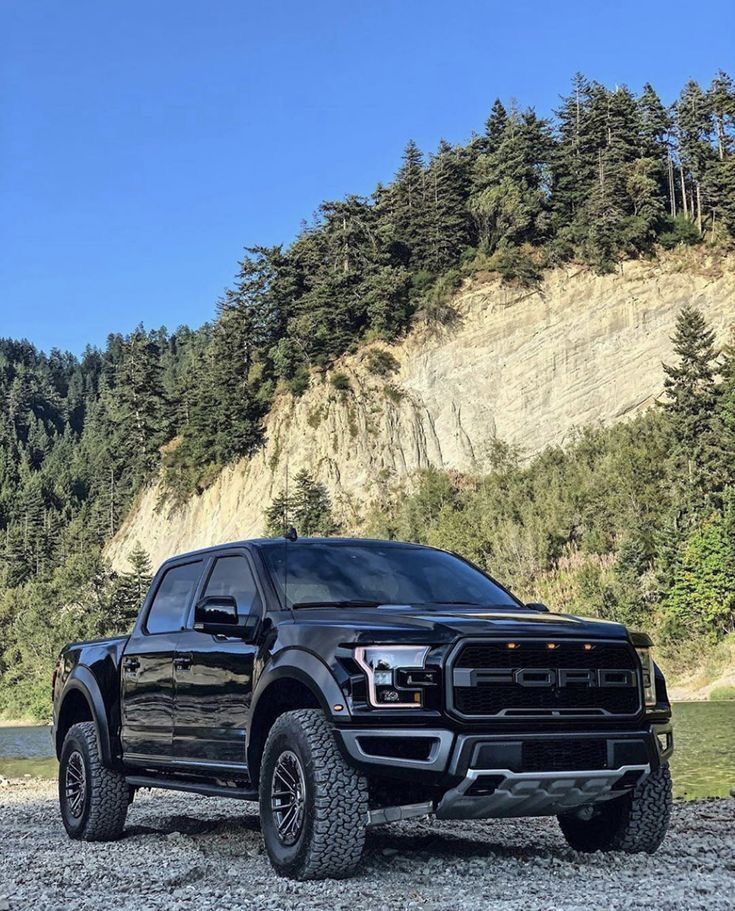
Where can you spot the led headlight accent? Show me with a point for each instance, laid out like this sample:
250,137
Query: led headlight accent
387,688
649,679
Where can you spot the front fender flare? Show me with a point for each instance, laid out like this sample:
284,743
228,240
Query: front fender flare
313,673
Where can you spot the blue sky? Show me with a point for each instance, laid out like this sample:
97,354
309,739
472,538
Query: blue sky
143,144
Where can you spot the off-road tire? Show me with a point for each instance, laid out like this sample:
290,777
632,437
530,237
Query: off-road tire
332,836
106,793
635,823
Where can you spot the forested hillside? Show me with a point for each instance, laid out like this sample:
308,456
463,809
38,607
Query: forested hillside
611,176
633,523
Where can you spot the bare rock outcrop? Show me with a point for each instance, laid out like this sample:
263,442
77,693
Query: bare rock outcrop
526,368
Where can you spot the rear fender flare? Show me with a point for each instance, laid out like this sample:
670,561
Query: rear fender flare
82,680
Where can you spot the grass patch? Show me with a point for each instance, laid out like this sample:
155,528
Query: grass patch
722,694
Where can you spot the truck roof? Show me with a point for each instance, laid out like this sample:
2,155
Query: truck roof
264,542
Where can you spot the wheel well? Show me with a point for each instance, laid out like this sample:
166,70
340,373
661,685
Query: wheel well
283,695
74,709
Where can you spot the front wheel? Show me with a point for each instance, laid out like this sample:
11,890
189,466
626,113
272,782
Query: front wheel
313,806
635,823
93,799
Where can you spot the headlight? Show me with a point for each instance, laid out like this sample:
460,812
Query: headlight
395,674
649,679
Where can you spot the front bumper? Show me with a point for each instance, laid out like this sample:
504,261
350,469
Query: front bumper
484,775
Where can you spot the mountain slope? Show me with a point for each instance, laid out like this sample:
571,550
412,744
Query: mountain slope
525,368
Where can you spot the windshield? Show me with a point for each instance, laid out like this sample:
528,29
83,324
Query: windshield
372,573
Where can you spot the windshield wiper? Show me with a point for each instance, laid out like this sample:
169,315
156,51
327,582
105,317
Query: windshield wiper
344,603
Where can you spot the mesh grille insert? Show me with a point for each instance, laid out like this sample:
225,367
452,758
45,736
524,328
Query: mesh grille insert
505,695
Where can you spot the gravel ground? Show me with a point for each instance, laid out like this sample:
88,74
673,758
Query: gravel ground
190,852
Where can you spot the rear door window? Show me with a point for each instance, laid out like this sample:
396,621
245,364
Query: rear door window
173,597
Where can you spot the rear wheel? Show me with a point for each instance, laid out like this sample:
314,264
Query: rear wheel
635,823
313,806
93,799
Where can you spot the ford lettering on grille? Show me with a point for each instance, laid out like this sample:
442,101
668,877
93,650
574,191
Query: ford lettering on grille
544,677
535,678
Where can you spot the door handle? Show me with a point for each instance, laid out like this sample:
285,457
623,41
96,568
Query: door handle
183,662
131,664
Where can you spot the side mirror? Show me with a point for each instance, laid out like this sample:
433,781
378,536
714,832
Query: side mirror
217,615
538,606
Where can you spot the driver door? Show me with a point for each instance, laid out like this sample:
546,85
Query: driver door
213,674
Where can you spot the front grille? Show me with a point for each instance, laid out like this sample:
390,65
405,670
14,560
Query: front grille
532,680
563,755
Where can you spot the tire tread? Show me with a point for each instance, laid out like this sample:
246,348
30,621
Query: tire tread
109,794
636,823
340,805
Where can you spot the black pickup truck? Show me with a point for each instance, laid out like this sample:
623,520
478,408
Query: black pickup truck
348,683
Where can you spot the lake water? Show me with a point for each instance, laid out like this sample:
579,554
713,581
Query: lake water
703,764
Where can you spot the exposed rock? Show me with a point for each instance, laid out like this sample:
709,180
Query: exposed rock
526,368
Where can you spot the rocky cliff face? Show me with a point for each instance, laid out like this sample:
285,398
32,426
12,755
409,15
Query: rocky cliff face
523,368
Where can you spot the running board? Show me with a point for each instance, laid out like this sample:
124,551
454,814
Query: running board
195,787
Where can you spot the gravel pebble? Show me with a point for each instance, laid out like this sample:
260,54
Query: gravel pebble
182,851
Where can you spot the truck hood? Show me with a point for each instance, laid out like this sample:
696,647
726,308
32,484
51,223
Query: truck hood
435,626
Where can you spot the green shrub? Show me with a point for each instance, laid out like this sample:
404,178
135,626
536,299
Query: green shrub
341,382
681,231
515,265
299,382
435,307
381,362
393,393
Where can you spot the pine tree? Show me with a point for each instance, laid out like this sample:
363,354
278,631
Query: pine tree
721,98
137,404
235,419
719,177
308,508
129,590
693,130
656,143
575,159
691,395
446,209
494,128
509,200
409,209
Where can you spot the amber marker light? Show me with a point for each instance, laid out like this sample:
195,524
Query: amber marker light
587,647
511,645
551,645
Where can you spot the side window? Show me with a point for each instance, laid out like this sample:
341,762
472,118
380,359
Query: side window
232,576
173,598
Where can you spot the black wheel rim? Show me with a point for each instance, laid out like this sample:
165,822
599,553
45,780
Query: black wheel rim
288,794
75,784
